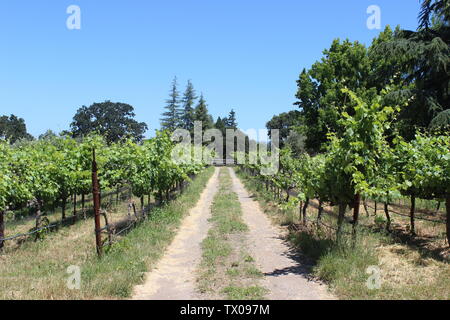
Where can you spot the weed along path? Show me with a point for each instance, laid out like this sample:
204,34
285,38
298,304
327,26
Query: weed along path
174,276
285,277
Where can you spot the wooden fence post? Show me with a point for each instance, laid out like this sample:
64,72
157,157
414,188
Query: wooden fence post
411,214
2,228
356,207
96,200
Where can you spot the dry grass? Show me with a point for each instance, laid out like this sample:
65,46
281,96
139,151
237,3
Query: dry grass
22,224
413,276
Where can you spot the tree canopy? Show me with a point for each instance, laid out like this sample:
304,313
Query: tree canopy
13,129
114,121
286,122
187,112
231,120
201,114
171,118
423,64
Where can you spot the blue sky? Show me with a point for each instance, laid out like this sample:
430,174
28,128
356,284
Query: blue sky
242,54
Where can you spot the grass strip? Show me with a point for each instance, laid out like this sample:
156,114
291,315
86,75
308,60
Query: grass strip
227,270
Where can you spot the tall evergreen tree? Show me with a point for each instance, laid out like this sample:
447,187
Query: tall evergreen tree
187,112
221,124
201,114
424,65
231,120
171,118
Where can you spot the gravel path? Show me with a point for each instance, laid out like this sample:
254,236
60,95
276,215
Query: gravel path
284,274
174,277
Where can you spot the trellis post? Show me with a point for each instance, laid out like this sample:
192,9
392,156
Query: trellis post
96,200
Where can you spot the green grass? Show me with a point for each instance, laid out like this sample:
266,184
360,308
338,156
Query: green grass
244,293
38,270
226,268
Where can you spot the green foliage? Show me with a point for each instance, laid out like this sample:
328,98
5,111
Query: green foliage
231,122
285,122
172,117
114,121
441,121
424,166
362,160
13,129
53,169
415,65
201,114
187,113
221,124
354,159
422,61
320,96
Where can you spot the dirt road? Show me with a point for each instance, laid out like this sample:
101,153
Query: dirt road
285,276
174,277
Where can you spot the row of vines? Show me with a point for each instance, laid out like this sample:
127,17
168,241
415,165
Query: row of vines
366,161
47,173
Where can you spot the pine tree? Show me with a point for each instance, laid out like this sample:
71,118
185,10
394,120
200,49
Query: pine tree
221,124
424,60
201,114
187,113
231,120
171,118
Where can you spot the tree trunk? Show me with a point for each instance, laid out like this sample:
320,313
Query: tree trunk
2,228
447,206
341,217
63,207
438,207
366,208
142,203
83,206
388,217
117,196
75,205
356,206
411,213
134,209
305,207
319,214
300,211
38,218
